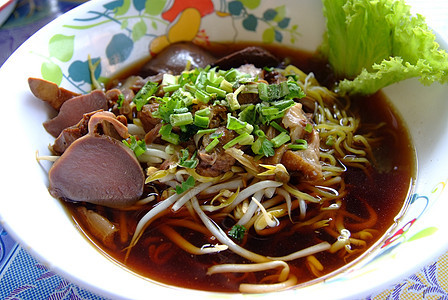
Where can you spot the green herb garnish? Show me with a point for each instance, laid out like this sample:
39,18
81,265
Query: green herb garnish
186,185
138,146
144,94
237,232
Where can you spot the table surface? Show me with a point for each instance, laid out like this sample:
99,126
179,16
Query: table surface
23,277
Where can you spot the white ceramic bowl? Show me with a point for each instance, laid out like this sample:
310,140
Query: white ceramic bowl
116,34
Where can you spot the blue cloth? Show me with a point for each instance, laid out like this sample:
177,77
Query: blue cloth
23,277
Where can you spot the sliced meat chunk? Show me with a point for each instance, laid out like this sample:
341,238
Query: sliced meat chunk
257,56
174,58
72,111
97,169
146,117
307,161
217,161
71,134
107,123
304,161
113,97
296,120
214,164
50,92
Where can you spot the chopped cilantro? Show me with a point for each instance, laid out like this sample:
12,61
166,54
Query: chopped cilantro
185,162
237,232
186,185
263,146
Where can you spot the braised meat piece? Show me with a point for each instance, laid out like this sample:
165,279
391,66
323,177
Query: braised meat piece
174,59
257,56
50,92
217,161
72,111
97,169
304,161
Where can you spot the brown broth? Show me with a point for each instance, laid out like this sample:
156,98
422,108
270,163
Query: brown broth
385,191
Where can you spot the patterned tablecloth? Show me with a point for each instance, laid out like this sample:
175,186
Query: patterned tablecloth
23,277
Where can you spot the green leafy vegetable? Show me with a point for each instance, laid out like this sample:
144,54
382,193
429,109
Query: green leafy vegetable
186,185
144,94
281,139
237,232
376,43
263,146
184,160
169,136
120,101
138,146
299,144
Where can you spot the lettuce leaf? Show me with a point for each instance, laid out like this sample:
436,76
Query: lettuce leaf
374,43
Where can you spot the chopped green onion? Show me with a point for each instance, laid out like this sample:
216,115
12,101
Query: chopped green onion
169,136
190,88
180,110
248,129
234,123
212,145
231,75
226,86
277,126
252,88
272,91
216,135
243,139
144,94
206,131
282,105
181,119
201,121
202,96
308,127
299,145
220,92
281,139
216,82
248,114
171,88
138,146
205,112
260,133
269,111
263,91
169,79
232,98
